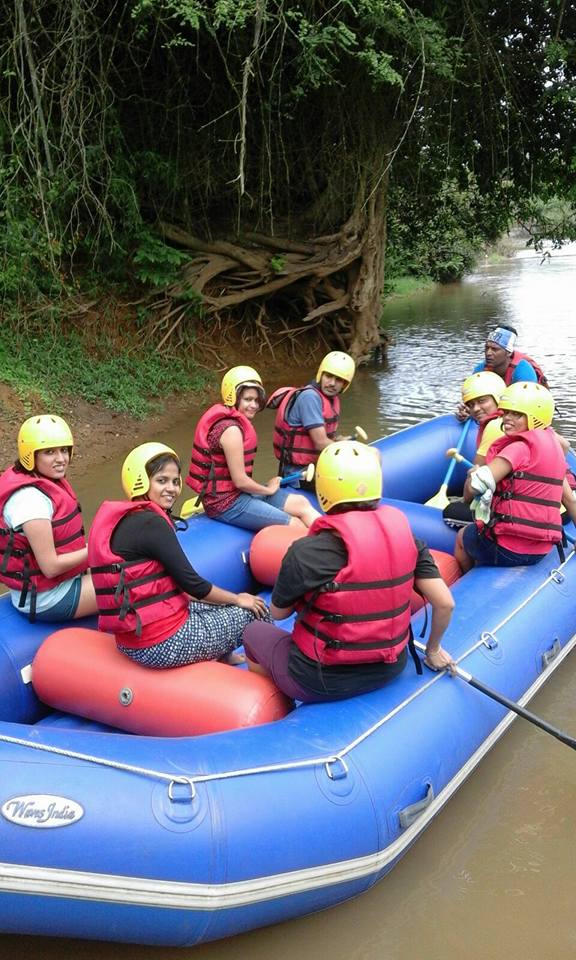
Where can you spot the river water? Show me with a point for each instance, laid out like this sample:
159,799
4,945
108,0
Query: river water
493,876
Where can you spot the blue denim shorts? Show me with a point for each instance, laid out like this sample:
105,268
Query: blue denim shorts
486,552
66,607
255,512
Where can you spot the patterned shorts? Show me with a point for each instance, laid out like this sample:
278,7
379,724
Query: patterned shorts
210,632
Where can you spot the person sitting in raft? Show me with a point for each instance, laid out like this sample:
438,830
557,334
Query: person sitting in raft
223,453
43,555
350,579
160,610
308,417
480,395
501,356
520,488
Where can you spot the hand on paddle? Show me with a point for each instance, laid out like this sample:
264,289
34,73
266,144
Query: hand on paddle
273,486
439,659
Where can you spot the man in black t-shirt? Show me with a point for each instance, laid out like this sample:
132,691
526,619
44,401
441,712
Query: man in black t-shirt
350,580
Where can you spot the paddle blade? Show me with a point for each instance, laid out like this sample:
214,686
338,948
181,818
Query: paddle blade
190,508
440,499
309,472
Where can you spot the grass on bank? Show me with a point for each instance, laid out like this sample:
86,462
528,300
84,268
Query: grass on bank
406,286
47,367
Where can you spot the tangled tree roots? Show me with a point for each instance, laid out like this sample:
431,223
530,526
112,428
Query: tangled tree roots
277,289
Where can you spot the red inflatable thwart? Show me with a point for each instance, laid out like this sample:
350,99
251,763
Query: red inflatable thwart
450,571
268,548
80,671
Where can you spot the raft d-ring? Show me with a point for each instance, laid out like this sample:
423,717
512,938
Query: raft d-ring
489,640
336,768
182,781
557,576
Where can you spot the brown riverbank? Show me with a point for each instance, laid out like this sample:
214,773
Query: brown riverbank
99,433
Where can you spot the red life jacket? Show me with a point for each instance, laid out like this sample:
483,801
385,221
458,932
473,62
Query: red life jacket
363,615
130,593
527,502
293,444
515,360
18,566
208,471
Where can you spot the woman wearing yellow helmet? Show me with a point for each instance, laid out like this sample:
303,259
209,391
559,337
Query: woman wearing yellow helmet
144,579
223,453
518,492
43,555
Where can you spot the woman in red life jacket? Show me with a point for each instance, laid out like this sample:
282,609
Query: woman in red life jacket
43,555
160,610
222,461
350,580
518,492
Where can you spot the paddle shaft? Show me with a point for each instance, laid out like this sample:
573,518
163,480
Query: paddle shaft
459,458
516,708
300,475
459,445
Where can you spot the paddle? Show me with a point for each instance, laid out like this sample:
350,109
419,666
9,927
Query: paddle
440,499
359,434
191,507
516,708
452,452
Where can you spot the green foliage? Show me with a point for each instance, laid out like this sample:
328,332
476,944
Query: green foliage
439,239
48,367
158,264
277,263
222,115
552,219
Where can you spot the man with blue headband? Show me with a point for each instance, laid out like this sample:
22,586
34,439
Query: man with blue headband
502,358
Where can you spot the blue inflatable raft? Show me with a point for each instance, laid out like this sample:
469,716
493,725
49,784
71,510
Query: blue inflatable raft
180,840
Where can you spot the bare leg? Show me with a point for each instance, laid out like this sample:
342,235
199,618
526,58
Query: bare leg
301,508
463,558
256,668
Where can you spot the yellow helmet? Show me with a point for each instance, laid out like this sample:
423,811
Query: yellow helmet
531,399
135,480
484,383
240,377
42,433
348,472
339,365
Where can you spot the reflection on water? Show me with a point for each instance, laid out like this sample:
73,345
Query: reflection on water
493,875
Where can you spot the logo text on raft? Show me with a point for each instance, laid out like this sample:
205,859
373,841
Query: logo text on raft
42,810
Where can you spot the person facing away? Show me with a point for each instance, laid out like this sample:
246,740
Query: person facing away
222,461
308,417
161,611
518,492
501,356
43,555
350,581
